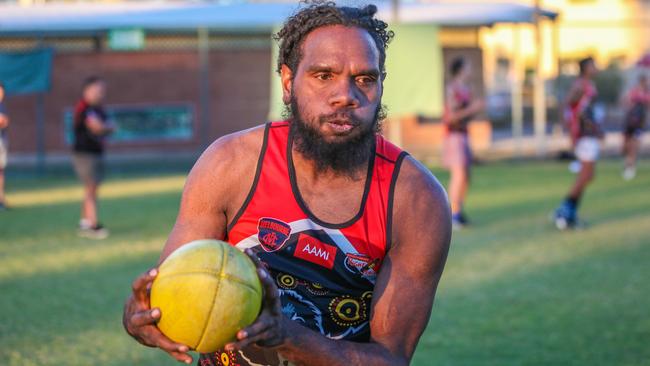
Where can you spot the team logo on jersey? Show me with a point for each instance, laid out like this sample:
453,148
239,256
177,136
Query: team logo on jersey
362,264
315,251
272,233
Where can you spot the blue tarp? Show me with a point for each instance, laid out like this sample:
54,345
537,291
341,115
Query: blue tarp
26,72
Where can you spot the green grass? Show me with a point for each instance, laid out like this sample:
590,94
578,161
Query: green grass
514,292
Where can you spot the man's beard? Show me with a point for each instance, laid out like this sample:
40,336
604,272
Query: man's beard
344,157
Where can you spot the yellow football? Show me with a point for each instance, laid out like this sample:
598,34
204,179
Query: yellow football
207,290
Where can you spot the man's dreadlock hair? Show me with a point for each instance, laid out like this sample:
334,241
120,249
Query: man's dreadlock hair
320,14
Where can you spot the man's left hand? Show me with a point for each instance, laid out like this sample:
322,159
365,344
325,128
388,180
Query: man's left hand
269,329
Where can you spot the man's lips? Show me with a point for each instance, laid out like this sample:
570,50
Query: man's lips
340,125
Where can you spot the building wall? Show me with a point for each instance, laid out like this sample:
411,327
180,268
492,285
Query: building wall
239,93
608,30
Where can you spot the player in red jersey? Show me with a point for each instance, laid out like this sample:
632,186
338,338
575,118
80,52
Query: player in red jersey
4,123
637,101
353,232
585,131
460,107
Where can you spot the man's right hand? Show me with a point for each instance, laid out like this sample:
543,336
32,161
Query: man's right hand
140,320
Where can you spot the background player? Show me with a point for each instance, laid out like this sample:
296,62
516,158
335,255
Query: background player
91,126
585,132
637,101
460,107
4,123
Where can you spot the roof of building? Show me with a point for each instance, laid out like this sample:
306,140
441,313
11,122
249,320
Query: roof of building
91,17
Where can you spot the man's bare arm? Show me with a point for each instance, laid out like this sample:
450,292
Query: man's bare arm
215,187
411,270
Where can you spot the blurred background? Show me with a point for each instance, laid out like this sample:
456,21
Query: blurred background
180,74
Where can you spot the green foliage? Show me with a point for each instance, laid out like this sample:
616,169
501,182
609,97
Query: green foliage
514,292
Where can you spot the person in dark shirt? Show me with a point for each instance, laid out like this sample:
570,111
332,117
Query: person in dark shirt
4,122
91,127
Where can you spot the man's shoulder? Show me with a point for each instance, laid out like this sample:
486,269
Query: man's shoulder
241,147
413,173
416,183
421,209
250,137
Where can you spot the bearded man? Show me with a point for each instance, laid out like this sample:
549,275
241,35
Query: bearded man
350,233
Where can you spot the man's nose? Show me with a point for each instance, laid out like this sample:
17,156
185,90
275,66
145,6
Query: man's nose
345,94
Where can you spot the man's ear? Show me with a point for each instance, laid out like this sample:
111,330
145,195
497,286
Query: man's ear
286,78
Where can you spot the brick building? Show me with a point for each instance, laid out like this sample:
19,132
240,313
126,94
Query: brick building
166,73
182,74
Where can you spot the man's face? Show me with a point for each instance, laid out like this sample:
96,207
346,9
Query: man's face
94,93
337,86
335,97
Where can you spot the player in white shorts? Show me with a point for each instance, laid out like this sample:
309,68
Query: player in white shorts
586,133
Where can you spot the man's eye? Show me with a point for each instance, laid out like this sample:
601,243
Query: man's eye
324,76
366,80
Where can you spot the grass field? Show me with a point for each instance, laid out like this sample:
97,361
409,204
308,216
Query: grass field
515,291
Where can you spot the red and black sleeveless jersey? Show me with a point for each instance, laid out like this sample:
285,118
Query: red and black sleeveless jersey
462,96
580,114
325,272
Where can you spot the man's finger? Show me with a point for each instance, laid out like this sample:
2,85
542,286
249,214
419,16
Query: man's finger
147,317
181,357
166,344
241,344
271,294
270,289
261,325
258,263
139,286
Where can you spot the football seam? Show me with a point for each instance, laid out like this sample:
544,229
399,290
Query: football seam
216,274
214,298
241,282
